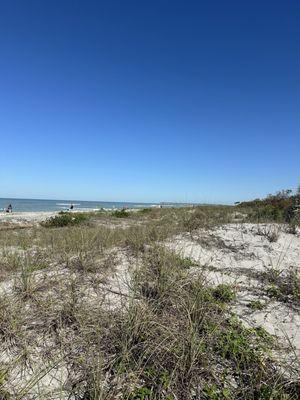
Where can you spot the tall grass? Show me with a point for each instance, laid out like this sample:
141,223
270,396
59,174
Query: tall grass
172,336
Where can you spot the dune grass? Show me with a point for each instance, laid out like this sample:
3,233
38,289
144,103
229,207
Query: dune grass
169,336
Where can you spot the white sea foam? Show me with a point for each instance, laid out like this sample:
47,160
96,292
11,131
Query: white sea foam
67,204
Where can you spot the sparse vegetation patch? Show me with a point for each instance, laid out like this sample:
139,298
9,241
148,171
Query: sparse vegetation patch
283,285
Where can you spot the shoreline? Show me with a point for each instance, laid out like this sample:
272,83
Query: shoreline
19,217
26,216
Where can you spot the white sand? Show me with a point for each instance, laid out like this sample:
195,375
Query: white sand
236,254
26,217
34,217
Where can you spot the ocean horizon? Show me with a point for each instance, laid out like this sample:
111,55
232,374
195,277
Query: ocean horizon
31,205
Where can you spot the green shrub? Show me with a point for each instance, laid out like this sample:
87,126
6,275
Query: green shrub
264,335
273,291
65,219
223,293
145,210
294,222
120,214
255,305
284,285
280,207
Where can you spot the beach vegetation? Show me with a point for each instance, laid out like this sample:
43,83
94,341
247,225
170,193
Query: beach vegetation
284,285
65,219
280,207
107,310
146,210
256,305
270,232
120,214
223,293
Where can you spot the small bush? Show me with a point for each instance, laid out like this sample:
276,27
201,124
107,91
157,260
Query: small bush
291,228
145,210
255,305
223,293
284,285
269,232
187,263
65,219
197,220
120,214
263,334
274,291
294,222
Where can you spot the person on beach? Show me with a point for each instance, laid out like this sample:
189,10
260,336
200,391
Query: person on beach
9,208
71,207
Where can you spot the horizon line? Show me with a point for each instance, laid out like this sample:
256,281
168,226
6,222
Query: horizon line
111,201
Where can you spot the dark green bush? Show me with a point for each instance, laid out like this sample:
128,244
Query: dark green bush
120,214
65,219
223,293
280,207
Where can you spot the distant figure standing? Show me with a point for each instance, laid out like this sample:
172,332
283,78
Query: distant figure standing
71,207
9,208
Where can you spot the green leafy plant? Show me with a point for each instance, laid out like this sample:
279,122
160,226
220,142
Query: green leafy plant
223,293
255,305
65,219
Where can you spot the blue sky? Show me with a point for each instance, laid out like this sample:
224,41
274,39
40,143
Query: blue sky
149,101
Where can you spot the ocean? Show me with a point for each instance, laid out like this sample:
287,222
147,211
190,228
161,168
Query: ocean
61,205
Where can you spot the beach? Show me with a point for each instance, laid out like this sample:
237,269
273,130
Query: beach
26,217
143,277
34,218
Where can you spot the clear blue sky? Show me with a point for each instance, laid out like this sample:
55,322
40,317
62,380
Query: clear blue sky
149,100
